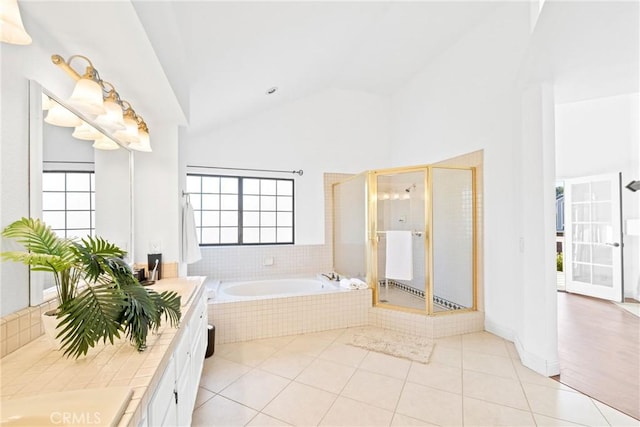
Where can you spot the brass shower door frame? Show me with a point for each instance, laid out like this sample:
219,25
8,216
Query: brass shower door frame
373,236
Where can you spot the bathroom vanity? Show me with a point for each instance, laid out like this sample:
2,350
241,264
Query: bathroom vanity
155,387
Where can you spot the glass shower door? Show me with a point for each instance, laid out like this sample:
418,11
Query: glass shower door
399,241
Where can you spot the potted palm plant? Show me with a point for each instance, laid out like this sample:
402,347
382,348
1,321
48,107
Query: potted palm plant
99,297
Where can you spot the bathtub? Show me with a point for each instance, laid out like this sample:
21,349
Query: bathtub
246,310
274,288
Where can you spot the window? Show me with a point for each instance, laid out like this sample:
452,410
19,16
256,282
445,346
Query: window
234,210
68,203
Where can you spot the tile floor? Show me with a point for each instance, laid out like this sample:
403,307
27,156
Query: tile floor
318,379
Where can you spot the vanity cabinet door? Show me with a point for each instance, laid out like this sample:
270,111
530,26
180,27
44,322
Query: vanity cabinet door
160,407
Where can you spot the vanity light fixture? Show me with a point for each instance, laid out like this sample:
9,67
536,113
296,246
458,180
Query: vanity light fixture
129,134
112,119
143,143
86,132
99,100
60,116
105,143
11,28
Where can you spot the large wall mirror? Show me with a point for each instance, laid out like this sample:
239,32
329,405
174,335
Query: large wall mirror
80,182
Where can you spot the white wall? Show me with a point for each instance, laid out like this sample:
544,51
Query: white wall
157,201
14,181
601,136
465,100
331,131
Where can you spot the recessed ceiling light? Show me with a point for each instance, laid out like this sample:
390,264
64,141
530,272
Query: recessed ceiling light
271,90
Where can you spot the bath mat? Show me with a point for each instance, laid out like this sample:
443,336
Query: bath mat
385,341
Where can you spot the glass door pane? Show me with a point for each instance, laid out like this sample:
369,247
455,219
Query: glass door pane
594,242
400,235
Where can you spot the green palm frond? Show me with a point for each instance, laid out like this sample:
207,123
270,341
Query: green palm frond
138,315
90,317
47,251
39,262
168,304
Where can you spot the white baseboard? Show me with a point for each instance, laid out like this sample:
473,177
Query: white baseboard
499,330
542,366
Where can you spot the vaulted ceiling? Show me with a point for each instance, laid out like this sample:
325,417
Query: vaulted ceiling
217,59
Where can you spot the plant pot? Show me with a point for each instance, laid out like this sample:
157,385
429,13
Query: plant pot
50,323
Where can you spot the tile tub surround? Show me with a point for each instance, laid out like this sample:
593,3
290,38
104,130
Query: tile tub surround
20,328
36,368
316,379
274,317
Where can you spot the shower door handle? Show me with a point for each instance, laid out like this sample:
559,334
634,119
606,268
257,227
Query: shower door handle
614,244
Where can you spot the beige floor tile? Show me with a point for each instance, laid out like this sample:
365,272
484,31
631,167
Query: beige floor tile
544,421
300,404
347,334
307,345
490,388
454,342
482,413
615,417
288,365
202,396
447,356
564,405
436,375
348,412
400,420
375,389
220,411
489,364
219,373
329,335
527,375
255,388
250,353
326,375
262,420
276,342
511,349
485,342
344,353
430,405
384,364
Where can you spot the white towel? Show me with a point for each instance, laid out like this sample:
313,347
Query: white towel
399,253
354,283
358,284
190,246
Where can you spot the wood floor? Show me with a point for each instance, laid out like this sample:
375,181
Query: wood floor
599,350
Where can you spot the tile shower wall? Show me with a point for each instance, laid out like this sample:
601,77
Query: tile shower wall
274,317
248,262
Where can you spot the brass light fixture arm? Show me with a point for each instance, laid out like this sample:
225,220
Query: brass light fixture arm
66,66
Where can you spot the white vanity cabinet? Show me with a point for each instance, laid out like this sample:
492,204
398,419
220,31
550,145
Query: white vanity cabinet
173,400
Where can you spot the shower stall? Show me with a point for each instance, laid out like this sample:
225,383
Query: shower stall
411,233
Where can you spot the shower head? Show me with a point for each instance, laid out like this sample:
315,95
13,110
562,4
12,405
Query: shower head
411,187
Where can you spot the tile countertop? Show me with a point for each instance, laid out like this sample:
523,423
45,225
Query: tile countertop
37,368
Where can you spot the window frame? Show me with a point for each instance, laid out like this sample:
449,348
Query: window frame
241,211
92,207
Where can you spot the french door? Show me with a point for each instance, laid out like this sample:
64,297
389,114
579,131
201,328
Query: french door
593,237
